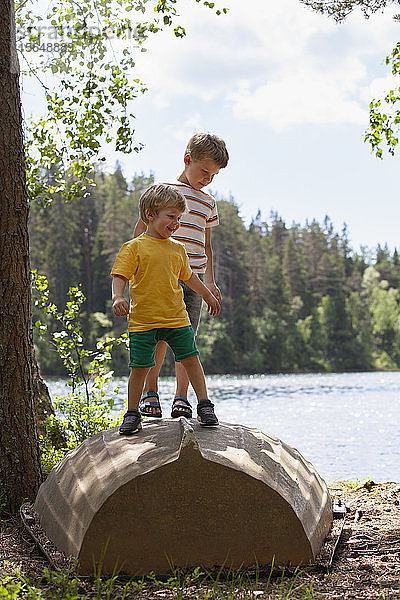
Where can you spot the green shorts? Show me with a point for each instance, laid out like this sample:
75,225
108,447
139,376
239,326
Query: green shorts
142,345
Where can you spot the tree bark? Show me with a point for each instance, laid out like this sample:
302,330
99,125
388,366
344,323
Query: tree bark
20,472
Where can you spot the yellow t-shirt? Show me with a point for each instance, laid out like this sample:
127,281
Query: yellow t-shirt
153,267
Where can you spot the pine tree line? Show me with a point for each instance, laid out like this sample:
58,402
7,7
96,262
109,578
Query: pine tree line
296,298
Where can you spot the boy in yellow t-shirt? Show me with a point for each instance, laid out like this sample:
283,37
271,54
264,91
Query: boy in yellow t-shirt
153,263
205,156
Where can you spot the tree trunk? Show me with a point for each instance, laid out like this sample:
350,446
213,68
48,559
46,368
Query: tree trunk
20,473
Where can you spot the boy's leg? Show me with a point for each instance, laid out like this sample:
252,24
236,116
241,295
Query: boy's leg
193,304
132,420
195,374
205,408
182,380
142,347
183,344
135,386
151,382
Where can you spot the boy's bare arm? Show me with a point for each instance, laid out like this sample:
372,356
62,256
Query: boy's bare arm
209,274
140,227
198,286
120,304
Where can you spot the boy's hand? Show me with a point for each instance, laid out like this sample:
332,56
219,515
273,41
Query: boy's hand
214,289
120,306
213,304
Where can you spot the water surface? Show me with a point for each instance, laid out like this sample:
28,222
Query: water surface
347,425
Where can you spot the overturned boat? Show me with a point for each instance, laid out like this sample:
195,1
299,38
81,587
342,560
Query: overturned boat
177,494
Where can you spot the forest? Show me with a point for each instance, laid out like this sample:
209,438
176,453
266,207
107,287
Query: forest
296,298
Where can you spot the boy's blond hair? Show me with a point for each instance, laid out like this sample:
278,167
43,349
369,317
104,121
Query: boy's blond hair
206,145
160,196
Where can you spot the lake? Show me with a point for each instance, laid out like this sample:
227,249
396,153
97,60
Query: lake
347,425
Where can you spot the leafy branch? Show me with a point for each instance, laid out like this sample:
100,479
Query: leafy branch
87,368
91,58
340,9
78,417
384,125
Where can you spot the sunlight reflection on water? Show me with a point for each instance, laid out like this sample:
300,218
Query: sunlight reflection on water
347,424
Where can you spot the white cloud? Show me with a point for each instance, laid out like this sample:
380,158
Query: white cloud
191,124
300,67
307,96
219,50
379,87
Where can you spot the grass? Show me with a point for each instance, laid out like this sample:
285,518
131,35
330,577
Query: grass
354,575
225,584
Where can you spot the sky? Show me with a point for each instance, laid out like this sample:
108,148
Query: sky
288,90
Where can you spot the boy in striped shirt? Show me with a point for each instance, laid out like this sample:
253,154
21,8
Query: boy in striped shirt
205,155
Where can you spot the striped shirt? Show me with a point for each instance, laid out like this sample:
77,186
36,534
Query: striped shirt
202,215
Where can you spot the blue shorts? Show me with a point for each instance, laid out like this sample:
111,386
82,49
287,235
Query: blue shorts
142,345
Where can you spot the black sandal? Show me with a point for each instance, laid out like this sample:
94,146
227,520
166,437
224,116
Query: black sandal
132,423
145,404
181,407
206,414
